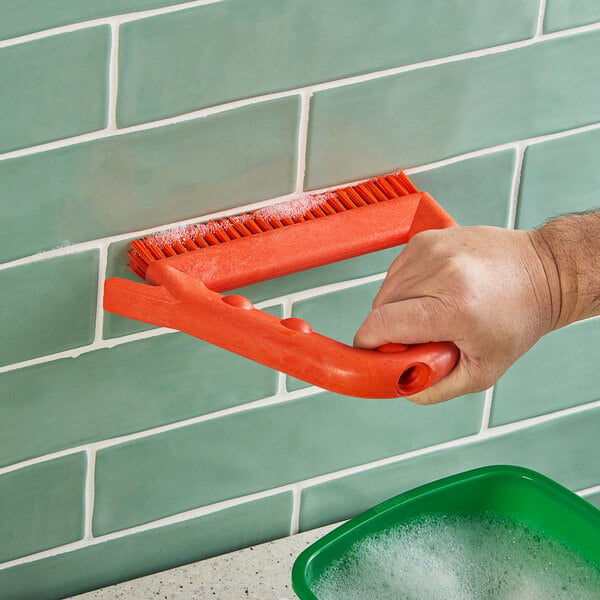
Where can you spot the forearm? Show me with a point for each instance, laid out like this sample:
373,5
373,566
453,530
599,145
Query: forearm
569,249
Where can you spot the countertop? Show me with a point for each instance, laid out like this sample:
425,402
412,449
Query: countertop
260,572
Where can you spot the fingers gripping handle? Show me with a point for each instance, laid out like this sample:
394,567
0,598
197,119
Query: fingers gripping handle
288,345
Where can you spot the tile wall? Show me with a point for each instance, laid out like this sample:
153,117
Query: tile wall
125,448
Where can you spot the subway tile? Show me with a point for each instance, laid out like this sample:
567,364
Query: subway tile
146,479
133,387
560,371
180,62
54,88
21,17
42,506
149,551
559,176
147,178
564,449
48,306
474,191
430,114
563,14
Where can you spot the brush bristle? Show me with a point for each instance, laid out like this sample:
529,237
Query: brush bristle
313,206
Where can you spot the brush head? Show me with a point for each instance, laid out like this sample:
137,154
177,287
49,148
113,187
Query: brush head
298,210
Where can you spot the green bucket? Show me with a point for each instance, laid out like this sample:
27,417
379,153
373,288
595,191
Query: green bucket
519,494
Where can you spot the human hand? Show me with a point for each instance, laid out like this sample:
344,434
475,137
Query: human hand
483,288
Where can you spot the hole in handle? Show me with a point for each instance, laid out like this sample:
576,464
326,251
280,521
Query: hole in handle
414,379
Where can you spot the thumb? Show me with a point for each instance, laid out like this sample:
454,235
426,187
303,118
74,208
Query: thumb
412,321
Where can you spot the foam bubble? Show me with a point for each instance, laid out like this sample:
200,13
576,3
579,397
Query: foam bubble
459,558
294,207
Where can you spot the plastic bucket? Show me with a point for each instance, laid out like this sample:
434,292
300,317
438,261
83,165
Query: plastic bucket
515,492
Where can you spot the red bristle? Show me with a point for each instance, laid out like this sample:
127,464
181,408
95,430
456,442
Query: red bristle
141,273
252,226
240,227
276,223
386,188
356,197
232,232
154,249
189,243
366,194
179,241
317,211
327,208
336,204
263,224
143,252
199,239
136,263
406,182
376,191
345,199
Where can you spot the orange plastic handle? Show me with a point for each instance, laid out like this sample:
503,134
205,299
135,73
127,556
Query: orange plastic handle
183,302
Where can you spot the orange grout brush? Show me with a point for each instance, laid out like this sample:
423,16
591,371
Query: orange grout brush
187,269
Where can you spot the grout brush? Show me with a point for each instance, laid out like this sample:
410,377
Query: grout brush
189,267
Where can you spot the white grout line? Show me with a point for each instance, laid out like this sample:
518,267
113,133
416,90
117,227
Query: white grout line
295,520
99,328
297,487
540,23
487,408
589,491
286,313
113,78
77,352
302,140
516,185
90,492
110,20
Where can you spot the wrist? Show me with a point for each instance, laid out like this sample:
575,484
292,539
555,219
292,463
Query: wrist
569,249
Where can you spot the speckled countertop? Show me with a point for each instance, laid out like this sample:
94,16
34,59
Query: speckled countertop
257,573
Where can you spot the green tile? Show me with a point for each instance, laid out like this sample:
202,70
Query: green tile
42,506
565,449
129,388
64,92
48,306
263,448
180,62
149,551
560,371
474,191
451,109
559,176
562,14
20,17
139,180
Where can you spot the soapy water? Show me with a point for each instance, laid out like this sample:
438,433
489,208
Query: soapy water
459,558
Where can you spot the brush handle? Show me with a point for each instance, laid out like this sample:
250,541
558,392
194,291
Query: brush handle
289,345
